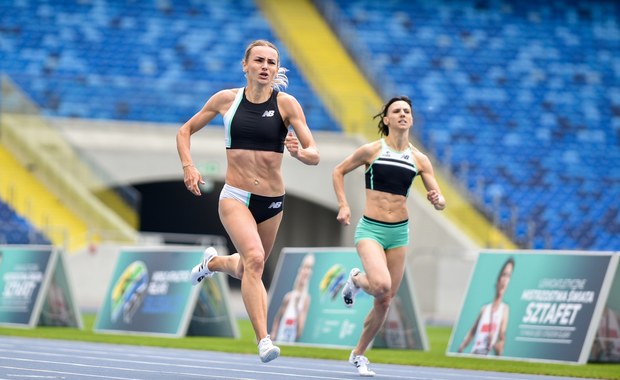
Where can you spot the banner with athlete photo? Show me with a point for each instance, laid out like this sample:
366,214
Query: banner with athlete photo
34,288
59,307
402,327
150,293
533,305
606,345
306,306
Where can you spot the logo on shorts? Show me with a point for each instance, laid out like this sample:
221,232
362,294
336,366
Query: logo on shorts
275,205
269,113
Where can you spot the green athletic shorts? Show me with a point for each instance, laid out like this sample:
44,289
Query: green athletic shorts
388,235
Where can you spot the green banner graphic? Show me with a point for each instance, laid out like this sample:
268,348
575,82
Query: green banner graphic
35,289
306,306
150,293
212,314
533,305
23,272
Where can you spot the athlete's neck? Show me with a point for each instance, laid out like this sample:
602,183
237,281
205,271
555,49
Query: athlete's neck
496,304
397,141
258,94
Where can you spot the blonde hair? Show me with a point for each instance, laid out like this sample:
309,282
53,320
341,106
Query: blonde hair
280,82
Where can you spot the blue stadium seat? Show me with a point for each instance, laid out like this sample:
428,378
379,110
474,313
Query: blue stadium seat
145,61
520,97
521,100
14,229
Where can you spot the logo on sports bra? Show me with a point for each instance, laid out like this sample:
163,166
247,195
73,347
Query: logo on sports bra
275,205
269,113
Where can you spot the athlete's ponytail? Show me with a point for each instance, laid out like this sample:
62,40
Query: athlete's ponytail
280,82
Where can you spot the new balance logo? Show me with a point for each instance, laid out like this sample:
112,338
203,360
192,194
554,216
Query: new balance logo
269,113
275,205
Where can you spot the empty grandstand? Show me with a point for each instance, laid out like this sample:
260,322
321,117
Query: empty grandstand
517,100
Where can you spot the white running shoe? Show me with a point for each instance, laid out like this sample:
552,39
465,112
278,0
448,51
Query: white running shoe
350,290
201,270
266,350
361,362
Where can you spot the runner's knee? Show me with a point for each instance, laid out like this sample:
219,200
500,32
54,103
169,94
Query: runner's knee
254,261
380,289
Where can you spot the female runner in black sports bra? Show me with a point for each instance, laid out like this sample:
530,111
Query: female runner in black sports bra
256,120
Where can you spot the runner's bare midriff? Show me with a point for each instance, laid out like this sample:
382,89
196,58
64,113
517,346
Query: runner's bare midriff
255,171
385,207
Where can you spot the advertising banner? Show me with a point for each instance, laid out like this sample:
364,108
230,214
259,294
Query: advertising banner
306,306
606,345
403,327
533,305
59,307
150,293
35,289
24,271
212,314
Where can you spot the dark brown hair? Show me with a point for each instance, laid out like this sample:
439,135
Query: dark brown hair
383,129
510,261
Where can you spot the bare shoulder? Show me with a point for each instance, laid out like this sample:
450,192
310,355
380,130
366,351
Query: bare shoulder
418,154
369,151
421,159
290,109
373,146
221,100
226,95
285,96
286,100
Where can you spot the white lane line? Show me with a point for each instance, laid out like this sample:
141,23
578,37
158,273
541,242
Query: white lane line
201,374
224,359
395,373
203,357
164,361
80,374
68,373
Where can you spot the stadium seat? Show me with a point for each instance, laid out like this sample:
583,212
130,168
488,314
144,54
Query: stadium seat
14,229
140,61
520,97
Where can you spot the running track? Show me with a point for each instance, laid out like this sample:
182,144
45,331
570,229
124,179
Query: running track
40,359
